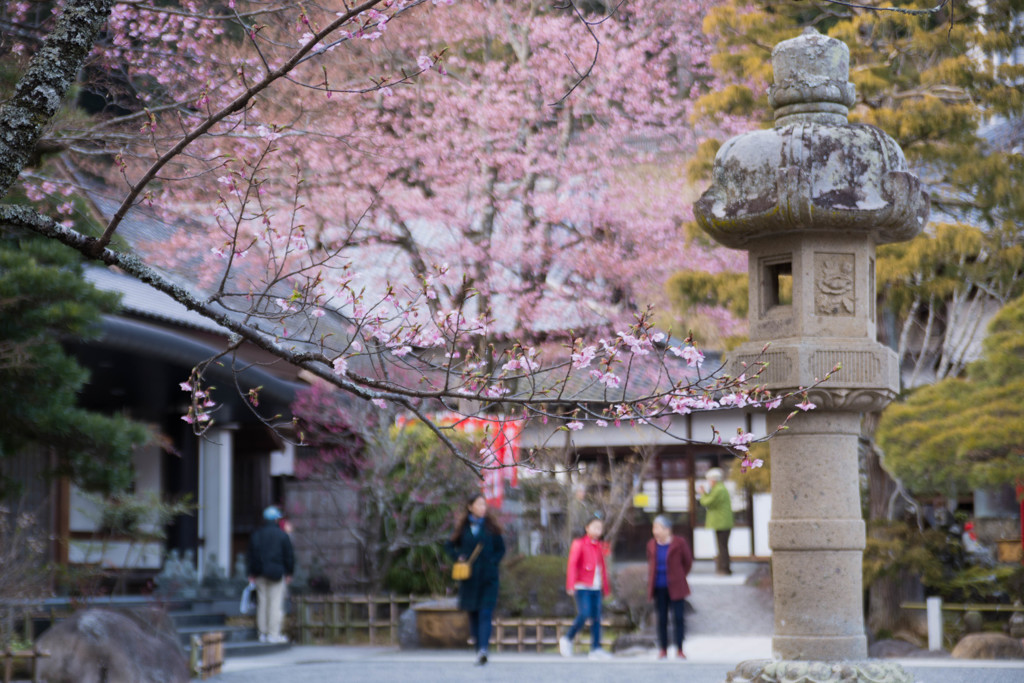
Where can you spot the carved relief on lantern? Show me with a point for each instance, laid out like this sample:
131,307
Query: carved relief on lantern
835,275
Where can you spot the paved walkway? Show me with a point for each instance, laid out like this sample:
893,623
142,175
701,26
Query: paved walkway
348,664
730,622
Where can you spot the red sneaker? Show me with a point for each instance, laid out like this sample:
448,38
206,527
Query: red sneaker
662,654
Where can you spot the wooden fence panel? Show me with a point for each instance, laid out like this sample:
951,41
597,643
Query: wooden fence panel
374,620
206,657
32,656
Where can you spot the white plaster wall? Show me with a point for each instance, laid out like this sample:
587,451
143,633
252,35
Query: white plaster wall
704,543
117,554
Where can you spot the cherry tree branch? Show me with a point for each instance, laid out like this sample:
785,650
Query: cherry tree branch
40,91
235,106
899,10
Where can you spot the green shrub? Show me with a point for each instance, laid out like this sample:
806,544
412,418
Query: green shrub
425,570
534,586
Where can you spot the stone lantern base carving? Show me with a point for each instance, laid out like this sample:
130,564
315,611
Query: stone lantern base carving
769,671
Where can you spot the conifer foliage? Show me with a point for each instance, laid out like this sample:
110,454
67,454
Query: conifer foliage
965,433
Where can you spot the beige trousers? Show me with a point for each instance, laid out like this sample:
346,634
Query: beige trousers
270,606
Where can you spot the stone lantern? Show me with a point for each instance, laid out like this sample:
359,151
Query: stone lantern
810,199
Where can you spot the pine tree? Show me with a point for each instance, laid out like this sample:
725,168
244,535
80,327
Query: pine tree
965,433
44,301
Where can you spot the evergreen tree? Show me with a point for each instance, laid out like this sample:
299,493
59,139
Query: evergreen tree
44,300
965,433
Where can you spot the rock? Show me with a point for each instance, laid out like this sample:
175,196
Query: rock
973,621
988,646
408,634
441,624
100,646
1016,623
892,648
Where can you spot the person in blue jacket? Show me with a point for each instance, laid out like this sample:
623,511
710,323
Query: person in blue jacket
477,531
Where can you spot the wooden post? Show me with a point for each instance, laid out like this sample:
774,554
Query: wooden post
393,618
348,620
371,613
303,620
193,656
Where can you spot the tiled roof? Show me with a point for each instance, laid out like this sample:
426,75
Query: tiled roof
142,300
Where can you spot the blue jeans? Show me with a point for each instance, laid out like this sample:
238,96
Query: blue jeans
480,627
588,606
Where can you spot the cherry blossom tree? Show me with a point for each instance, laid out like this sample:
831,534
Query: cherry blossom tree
413,200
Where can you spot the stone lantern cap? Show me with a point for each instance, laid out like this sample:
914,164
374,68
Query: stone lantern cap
814,171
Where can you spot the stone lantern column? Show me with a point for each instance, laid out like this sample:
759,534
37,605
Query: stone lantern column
810,199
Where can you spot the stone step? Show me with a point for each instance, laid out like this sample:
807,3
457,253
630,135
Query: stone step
195,618
250,648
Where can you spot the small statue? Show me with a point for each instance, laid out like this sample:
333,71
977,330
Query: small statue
241,568
168,581
189,575
213,575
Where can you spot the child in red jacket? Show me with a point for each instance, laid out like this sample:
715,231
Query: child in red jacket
586,577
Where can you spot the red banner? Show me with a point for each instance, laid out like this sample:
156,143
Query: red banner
499,452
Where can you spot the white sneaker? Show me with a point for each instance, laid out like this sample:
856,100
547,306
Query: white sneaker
263,637
277,640
565,647
599,654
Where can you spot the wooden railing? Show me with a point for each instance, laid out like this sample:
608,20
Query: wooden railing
369,619
965,607
207,654
523,634
32,656
352,619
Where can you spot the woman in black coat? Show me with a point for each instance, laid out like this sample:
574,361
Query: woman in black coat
479,593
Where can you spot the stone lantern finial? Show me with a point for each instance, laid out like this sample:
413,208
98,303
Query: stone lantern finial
811,79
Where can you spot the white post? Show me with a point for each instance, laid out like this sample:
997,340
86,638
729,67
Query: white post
934,624
215,464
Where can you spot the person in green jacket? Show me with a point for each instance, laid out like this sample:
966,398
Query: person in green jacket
719,517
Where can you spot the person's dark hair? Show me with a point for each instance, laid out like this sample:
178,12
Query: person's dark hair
490,523
593,518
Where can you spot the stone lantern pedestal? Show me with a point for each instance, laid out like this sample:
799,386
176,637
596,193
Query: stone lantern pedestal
810,199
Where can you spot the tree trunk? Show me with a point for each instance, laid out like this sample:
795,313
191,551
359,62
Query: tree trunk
887,592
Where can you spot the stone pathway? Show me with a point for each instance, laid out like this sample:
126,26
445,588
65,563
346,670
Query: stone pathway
725,605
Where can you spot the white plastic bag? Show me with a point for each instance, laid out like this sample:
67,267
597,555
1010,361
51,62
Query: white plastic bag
248,604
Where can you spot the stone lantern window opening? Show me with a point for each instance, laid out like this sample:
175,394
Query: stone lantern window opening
778,282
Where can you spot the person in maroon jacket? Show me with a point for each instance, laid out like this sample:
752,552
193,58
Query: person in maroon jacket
586,578
669,560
